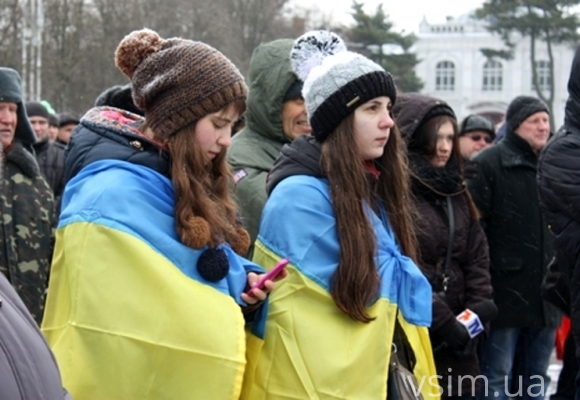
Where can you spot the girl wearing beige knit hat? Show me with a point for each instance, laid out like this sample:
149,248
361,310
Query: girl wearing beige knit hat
146,297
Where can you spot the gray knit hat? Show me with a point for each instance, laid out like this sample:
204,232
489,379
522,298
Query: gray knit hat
177,81
11,91
336,81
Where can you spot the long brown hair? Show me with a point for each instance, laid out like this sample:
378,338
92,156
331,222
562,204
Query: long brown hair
424,143
201,188
424,140
355,284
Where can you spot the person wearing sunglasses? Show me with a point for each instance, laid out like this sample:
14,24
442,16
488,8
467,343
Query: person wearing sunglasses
475,134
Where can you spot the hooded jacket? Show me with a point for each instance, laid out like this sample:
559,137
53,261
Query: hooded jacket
559,188
126,297
310,349
469,281
255,148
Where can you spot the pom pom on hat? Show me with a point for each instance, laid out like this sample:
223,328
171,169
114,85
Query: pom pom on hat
311,49
336,81
177,82
134,48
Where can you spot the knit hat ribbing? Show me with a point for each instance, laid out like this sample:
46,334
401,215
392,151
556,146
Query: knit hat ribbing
177,81
521,108
336,81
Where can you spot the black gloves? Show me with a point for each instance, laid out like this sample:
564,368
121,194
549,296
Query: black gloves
486,310
456,337
459,341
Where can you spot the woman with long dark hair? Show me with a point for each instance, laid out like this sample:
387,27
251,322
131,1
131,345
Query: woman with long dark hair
453,250
146,296
339,210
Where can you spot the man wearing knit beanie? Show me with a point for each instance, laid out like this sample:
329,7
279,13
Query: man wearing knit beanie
521,247
276,115
27,203
49,156
67,122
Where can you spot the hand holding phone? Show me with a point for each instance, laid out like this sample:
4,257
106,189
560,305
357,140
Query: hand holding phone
270,275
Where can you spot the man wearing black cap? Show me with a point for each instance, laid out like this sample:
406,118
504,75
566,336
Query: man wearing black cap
26,202
276,115
67,122
50,157
521,247
475,134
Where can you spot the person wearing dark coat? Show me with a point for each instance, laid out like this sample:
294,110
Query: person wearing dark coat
559,190
49,156
521,247
476,133
453,250
26,202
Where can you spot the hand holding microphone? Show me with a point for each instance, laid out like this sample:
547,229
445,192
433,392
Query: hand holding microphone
468,325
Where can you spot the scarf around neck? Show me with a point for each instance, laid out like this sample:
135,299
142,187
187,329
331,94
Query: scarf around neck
427,179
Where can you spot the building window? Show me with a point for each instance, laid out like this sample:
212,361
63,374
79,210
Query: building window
492,76
543,71
445,76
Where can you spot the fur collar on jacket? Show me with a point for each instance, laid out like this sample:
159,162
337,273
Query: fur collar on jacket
23,159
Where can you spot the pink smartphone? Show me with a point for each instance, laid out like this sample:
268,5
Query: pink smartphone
273,273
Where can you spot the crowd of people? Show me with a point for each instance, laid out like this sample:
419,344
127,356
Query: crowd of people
414,239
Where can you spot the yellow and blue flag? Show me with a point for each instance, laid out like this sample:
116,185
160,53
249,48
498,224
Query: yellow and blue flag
128,316
309,349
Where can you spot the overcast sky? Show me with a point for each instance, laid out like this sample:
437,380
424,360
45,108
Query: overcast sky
405,14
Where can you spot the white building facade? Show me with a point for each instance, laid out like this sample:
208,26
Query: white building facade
454,69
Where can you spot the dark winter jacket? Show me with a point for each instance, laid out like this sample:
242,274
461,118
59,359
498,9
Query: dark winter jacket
27,228
50,158
521,246
94,141
468,273
255,147
469,281
28,370
559,189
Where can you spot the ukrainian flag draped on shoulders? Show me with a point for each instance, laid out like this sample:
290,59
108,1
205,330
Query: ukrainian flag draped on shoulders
128,316
310,349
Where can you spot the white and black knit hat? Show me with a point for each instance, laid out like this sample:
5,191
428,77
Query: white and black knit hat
336,81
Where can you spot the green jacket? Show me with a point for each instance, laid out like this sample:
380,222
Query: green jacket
27,229
255,148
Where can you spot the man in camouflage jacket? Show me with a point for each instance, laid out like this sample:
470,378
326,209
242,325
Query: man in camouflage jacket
26,202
